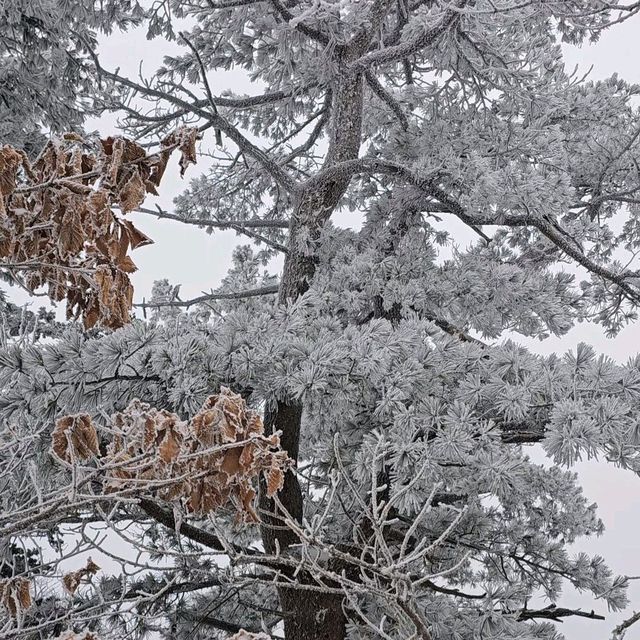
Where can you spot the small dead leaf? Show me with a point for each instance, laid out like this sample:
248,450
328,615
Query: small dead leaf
71,581
75,437
10,161
127,265
170,446
231,462
71,235
132,194
15,595
136,237
187,144
275,480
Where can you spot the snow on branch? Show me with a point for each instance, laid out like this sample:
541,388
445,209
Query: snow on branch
209,297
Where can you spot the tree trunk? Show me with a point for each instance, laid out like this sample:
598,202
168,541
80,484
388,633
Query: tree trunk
310,615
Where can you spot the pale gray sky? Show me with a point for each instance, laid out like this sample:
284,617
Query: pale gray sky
198,261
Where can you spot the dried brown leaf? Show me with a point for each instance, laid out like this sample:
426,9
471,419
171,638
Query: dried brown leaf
71,581
71,235
275,479
75,437
187,144
170,446
136,237
132,194
231,462
127,265
15,595
10,162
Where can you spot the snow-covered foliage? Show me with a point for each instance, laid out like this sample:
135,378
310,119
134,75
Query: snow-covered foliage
379,353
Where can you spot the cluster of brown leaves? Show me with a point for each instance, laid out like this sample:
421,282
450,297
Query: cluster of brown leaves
15,594
207,462
71,581
57,223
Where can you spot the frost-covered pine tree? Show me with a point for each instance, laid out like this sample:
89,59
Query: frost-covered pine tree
383,355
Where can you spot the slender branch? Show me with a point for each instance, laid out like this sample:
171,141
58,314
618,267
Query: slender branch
178,587
453,592
387,98
454,331
260,238
324,114
219,224
556,613
229,4
422,632
248,102
620,631
308,31
224,625
205,82
205,538
236,102
208,297
237,225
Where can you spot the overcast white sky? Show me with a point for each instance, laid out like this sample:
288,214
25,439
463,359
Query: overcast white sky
198,261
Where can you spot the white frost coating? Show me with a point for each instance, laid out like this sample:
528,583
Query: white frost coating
385,347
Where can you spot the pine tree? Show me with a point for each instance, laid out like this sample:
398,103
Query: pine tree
337,447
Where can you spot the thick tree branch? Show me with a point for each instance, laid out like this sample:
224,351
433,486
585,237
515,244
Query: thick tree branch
549,228
406,49
366,35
